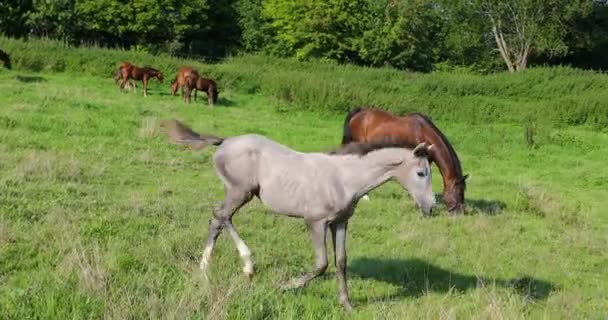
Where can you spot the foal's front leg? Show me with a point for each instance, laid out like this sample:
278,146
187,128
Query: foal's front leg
338,233
318,230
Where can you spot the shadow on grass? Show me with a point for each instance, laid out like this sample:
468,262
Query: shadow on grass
474,206
415,277
30,79
489,207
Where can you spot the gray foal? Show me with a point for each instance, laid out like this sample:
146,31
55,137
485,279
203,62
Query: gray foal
321,188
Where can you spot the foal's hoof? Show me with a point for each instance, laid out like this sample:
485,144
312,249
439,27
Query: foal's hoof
249,275
294,283
347,306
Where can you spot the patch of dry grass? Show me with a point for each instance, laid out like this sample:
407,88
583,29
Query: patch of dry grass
150,127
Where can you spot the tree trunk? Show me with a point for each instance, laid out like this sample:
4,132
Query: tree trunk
501,43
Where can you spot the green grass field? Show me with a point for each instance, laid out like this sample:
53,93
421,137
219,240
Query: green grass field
101,218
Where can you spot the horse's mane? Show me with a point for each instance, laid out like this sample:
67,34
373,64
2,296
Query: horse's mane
363,148
445,140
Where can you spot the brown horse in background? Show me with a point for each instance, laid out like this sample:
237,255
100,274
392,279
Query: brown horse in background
364,125
180,79
118,76
6,60
129,71
203,84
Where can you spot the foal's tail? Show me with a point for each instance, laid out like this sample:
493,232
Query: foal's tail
179,133
347,136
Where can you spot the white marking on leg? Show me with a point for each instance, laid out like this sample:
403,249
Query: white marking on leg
206,257
245,254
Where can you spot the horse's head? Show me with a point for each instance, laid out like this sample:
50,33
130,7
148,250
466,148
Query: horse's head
159,76
453,195
416,176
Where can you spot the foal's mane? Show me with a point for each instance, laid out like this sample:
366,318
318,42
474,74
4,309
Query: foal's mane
363,148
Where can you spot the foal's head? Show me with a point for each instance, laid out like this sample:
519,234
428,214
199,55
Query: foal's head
415,175
159,76
173,86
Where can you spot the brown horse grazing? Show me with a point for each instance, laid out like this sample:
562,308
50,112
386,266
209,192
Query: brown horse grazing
6,60
180,79
118,73
202,84
130,71
118,79
364,125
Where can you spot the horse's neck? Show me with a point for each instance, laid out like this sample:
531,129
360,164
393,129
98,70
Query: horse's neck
443,156
363,174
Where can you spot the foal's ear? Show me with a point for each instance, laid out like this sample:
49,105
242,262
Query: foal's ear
423,150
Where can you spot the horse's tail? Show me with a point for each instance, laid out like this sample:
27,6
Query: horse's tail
347,136
179,133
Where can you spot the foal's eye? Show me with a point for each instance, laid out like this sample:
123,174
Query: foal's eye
420,173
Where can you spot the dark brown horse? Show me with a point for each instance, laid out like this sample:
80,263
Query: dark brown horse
6,60
203,84
130,71
364,125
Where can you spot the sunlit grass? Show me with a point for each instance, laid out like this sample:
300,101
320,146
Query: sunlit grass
101,217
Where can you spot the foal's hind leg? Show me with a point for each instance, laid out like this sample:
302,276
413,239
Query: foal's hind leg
244,251
222,216
318,230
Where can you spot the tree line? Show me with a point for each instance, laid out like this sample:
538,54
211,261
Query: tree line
420,35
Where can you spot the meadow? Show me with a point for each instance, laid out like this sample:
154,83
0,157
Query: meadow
101,218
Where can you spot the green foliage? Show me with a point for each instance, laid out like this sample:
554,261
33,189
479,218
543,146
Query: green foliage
527,27
320,29
407,34
402,34
255,30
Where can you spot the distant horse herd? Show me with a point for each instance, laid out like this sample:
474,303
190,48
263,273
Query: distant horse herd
323,188
187,78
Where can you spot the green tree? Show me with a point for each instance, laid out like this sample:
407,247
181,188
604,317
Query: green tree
523,27
254,27
315,28
403,34
13,17
53,19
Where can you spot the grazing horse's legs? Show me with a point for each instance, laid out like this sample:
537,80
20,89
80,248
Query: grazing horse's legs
209,97
222,216
318,230
338,235
145,81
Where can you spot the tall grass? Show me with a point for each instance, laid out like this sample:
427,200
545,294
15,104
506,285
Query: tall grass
557,95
